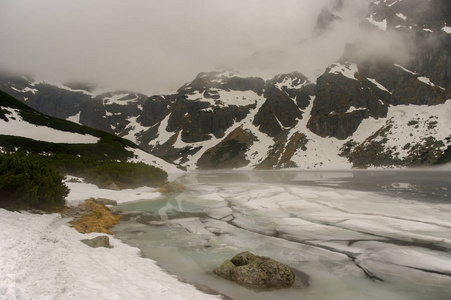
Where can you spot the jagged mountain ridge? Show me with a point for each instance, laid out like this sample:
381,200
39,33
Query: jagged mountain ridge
356,114
77,102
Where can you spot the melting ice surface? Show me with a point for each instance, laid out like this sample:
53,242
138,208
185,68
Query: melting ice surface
357,235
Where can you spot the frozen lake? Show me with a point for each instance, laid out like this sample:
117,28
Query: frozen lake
347,235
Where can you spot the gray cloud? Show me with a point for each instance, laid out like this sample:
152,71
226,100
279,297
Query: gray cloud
152,45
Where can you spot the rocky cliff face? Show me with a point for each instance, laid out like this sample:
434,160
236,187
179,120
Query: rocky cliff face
108,111
385,103
365,81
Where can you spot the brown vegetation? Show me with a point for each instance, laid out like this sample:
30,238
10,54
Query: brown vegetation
100,219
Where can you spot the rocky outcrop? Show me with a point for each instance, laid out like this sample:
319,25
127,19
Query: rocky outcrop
378,150
366,81
286,97
93,114
343,101
103,201
45,98
100,241
154,110
281,153
256,272
229,153
109,111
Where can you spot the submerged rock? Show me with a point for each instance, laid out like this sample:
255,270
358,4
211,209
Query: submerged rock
256,271
103,201
100,241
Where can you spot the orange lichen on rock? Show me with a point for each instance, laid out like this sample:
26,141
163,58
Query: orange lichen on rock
100,219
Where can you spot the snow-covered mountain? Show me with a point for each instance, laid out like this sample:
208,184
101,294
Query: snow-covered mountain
385,102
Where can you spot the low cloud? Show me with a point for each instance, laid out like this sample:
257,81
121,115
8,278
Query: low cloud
152,46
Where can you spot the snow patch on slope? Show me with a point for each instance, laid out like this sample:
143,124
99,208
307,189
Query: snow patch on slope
134,129
428,82
382,25
401,16
75,118
321,153
227,98
142,156
163,134
378,85
347,70
258,151
405,70
115,98
409,125
290,83
25,90
18,127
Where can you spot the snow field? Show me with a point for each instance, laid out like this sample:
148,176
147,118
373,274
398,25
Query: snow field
41,257
433,121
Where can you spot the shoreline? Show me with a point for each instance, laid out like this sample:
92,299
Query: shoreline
42,257
73,213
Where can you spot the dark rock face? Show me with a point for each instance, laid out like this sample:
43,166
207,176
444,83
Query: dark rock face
154,110
76,98
45,98
93,114
421,76
229,153
118,113
277,112
286,96
283,151
256,272
419,25
200,124
342,103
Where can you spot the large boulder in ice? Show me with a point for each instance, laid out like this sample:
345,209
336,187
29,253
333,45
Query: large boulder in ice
256,271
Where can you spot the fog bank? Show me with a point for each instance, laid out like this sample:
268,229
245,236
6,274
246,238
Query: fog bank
151,46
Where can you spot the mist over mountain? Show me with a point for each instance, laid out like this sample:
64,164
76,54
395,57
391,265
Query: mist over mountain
158,46
348,84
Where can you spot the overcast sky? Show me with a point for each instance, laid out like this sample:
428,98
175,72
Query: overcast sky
158,45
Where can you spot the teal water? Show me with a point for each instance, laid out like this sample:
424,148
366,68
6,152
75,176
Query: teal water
347,235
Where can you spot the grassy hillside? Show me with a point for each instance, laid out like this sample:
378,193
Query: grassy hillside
108,147
29,164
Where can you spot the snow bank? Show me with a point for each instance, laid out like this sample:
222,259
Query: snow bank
81,191
41,257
